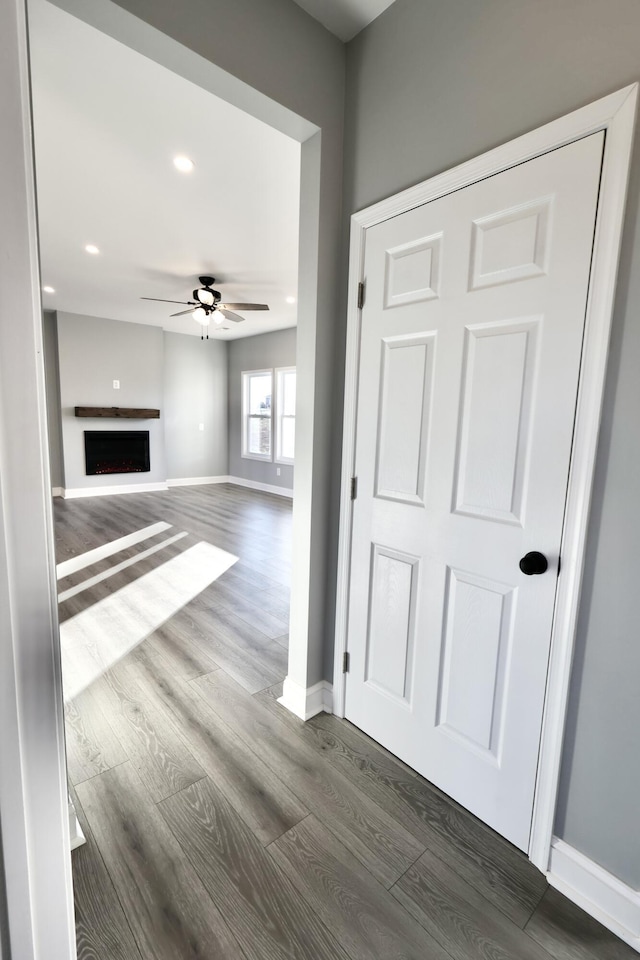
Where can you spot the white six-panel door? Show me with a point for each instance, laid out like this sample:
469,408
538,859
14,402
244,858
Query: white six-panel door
470,352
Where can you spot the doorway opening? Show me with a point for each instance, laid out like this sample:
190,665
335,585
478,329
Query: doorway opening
183,567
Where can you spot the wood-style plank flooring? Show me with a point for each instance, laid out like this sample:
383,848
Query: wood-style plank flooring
220,826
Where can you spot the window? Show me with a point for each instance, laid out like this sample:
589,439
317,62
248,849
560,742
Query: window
257,388
286,414
259,412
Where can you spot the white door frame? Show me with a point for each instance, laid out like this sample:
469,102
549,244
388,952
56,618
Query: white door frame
615,114
33,787
33,791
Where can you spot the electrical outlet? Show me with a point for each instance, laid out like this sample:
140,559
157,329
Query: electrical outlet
277,471
116,384
201,426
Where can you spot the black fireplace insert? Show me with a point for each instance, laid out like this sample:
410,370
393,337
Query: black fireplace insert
116,451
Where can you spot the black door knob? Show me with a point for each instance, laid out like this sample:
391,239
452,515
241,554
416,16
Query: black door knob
533,563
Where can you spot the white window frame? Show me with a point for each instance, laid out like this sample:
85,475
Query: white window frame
280,416
246,416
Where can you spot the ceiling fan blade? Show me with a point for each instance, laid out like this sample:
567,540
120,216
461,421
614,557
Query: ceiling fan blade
230,316
181,313
243,306
158,300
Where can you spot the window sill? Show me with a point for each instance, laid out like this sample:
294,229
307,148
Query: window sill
264,458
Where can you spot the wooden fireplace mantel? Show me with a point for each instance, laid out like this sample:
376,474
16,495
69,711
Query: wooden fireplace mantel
129,413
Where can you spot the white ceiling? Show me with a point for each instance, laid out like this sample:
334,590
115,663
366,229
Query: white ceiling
344,18
108,123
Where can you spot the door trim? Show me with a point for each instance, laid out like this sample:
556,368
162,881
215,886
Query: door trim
35,840
615,114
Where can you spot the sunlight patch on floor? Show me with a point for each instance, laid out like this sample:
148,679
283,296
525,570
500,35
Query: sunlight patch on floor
73,564
105,574
99,636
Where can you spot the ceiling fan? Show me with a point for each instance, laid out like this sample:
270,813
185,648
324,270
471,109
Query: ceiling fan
206,304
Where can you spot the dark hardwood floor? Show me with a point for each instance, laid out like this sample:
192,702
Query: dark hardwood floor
217,824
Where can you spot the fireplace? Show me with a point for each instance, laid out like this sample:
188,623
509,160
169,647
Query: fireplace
116,451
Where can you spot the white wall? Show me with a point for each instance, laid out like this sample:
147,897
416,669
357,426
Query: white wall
444,82
267,351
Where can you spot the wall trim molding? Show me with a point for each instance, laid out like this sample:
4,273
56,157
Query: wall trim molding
264,487
614,114
71,494
196,481
306,702
37,908
594,889
75,830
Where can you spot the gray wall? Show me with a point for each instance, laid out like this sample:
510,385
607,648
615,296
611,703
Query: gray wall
195,392
429,85
52,383
269,350
285,55
93,352
181,375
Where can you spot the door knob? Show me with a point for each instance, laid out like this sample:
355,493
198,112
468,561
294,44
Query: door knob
533,563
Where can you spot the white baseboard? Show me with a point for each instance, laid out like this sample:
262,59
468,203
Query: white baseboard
265,487
602,895
196,481
76,835
306,702
70,494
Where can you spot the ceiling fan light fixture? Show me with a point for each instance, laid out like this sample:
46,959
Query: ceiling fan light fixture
204,296
208,303
201,316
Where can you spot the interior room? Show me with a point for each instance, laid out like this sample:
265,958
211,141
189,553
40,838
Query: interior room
145,397
327,650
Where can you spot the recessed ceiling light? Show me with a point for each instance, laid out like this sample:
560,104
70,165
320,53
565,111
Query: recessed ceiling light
48,289
183,164
291,299
91,248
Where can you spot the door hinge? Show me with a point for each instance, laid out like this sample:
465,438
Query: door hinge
354,487
345,662
361,295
